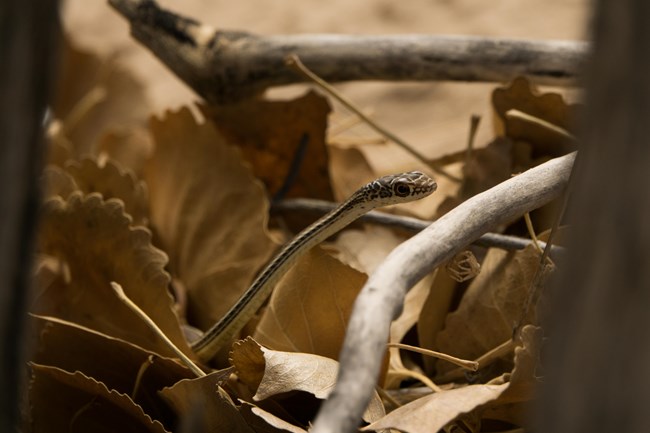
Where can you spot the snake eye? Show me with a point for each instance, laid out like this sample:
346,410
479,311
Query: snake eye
402,189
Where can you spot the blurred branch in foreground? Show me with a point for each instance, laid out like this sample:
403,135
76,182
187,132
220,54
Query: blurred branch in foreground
223,66
28,35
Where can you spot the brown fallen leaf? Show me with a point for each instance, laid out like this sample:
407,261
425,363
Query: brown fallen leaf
93,96
128,146
120,365
494,401
433,412
202,405
433,312
57,181
365,250
309,308
96,244
269,134
513,405
61,401
208,212
112,181
491,307
349,168
271,373
521,95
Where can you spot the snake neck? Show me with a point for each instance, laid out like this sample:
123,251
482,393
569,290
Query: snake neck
222,332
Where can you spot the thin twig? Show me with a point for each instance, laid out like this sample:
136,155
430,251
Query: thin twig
468,365
484,360
380,300
294,62
531,232
129,303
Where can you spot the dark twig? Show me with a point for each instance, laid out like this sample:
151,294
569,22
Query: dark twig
414,225
228,65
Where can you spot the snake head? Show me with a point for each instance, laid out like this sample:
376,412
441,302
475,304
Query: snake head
399,188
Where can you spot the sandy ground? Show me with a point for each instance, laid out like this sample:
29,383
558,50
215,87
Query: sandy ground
432,116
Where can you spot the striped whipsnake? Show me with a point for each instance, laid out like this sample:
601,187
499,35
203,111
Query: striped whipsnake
387,190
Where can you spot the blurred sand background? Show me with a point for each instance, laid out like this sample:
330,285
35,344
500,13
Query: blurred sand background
434,117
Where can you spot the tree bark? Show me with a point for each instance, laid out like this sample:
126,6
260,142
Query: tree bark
598,377
28,31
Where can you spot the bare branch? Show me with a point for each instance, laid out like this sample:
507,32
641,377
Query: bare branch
223,66
381,299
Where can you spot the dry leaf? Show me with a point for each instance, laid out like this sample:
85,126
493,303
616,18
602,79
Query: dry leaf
551,107
202,405
368,248
57,181
349,169
130,147
208,211
433,312
513,405
112,181
95,242
270,135
265,422
63,402
309,308
269,373
94,95
491,307
114,362
493,401
433,412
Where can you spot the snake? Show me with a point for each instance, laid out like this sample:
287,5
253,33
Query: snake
387,190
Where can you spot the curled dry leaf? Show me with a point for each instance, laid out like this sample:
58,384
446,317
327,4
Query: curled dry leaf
112,361
268,373
112,181
521,95
270,133
96,243
309,308
208,211
62,402
203,405
433,412
94,95
491,307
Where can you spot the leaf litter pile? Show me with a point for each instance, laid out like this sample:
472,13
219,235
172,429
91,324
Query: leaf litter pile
175,208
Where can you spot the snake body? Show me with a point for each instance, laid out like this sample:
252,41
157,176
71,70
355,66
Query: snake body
387,190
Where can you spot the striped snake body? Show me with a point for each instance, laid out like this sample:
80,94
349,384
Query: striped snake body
387,190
